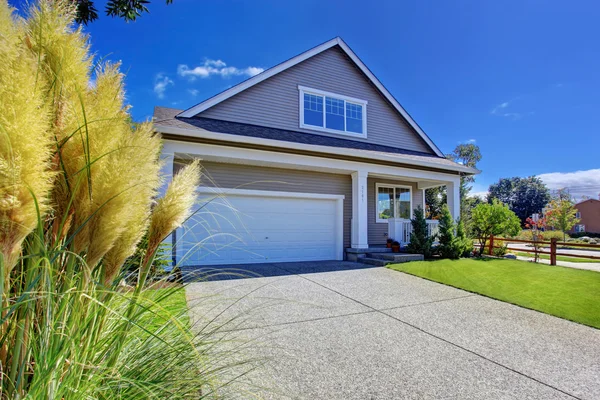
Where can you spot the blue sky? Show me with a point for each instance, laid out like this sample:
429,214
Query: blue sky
520,78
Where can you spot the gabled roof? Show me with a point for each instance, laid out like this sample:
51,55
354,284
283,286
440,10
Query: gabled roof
193,111
586,200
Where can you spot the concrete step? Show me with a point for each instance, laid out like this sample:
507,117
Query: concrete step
374,261
396,257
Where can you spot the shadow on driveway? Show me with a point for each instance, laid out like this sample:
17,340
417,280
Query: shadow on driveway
244,271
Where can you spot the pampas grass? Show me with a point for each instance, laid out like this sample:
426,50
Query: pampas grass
78,191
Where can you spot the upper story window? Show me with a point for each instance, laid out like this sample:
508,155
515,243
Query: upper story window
334,113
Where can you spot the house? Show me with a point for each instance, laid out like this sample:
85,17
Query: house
308,160
588,212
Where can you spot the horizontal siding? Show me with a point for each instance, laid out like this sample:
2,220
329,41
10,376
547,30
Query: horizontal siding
274,102
378,231
278,179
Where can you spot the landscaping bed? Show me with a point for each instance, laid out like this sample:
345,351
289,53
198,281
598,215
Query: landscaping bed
567,293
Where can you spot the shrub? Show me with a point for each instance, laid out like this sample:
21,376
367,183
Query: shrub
465,242
78,188
501,250
526,234
576,235
420,243
452,245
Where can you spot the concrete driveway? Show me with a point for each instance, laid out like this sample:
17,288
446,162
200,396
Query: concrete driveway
338,330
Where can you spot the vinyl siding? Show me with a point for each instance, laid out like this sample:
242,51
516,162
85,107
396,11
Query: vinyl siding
278,179
378,231
275,101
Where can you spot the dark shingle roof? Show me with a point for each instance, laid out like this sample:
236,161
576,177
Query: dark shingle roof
167,117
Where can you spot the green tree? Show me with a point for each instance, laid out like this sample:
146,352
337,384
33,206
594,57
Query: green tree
453,242
129,10
494,219
465,154
468,155
435,198
524,196
420,242
561,214
447,237
466,242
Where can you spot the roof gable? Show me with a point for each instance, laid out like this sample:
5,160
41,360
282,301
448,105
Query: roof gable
251,82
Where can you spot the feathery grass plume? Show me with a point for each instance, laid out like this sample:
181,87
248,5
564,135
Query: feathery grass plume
66,66
174,207
124,174
143,152
24,140
72,147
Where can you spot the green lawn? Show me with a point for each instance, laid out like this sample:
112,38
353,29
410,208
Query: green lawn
166,304
558,258
568,293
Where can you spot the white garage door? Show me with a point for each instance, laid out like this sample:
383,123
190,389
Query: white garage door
243,226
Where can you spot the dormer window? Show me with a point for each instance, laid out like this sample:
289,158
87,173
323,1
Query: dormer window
333,113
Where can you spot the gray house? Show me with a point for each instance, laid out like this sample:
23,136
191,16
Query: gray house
302,162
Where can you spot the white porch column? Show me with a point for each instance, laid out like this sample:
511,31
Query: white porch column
167,157
359,210
453,193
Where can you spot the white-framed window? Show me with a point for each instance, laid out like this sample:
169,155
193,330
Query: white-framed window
333,113
580,228
392,201
577,214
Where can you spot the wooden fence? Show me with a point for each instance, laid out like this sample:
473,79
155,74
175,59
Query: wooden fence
539,247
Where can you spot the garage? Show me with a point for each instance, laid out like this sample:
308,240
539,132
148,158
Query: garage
237,226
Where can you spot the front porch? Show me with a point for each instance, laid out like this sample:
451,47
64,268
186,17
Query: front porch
383,206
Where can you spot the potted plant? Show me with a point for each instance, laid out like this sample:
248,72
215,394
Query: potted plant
388,243
396,246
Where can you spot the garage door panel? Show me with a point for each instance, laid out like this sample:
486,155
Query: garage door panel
250,228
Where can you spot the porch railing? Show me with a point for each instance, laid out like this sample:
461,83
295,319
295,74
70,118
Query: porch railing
400,229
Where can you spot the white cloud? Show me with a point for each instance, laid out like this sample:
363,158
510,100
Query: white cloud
215,67
501,111
481,195
161,83
579,183
193,92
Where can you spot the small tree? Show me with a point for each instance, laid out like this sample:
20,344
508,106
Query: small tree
561,214
452,238
447,238
466,242
420,242
537,234
494,219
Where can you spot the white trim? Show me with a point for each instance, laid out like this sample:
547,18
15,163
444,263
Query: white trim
323,94
392,186
331,94
190,112
399,158
424,205
228,154
359,223
268,193
338,198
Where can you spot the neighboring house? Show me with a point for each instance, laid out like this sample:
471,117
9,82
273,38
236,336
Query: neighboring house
302,161
588,212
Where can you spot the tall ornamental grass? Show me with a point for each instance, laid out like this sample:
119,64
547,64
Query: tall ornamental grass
78,191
